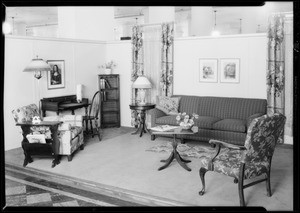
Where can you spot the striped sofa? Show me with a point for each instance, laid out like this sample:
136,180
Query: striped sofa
220,118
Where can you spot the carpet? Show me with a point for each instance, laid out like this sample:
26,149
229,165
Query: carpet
196,151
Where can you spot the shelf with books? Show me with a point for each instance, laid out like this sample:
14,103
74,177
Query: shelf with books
110,100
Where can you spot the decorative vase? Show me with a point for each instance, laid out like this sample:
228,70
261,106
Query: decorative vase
186,125
107,71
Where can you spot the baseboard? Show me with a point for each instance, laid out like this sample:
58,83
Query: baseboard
124,194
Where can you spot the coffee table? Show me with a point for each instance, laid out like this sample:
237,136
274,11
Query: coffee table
175,132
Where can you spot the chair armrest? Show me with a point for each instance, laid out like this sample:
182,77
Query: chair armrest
154,114
227,145
251,117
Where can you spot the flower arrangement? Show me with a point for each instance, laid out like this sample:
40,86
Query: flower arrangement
109,65
186,121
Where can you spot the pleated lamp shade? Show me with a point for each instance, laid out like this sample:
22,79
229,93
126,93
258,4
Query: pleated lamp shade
141,83
37,65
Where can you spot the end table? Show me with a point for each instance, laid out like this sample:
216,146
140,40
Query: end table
142,110
51,148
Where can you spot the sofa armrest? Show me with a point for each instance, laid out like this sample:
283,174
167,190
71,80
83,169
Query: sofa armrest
251,117
154,114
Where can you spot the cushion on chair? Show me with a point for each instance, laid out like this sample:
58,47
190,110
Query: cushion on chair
206,122
168,105
73,120
25,113
233,125
228,162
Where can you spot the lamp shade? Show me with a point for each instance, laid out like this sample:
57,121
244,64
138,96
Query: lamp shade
37,64
141,83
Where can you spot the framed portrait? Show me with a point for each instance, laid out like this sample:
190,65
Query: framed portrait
56,77
230,70
208,70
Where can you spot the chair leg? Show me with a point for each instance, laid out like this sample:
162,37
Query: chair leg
152,137
81,147
98,130
268,181
70,157
241,184
202,172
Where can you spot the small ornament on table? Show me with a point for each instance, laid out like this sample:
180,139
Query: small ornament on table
36,120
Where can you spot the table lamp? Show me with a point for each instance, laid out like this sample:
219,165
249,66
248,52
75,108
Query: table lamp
142,83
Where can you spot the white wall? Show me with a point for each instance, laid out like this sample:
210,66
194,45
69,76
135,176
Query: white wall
82,58
250,49
20,88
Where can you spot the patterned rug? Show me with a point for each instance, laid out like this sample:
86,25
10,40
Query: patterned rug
184,150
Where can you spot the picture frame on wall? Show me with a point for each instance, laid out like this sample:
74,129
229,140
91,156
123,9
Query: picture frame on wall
208,70
230,70
56,77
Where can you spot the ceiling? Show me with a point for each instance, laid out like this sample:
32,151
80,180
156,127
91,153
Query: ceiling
31,16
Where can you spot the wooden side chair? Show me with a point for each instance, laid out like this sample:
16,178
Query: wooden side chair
248,161
93,117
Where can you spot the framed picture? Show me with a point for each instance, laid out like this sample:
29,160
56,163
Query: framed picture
230,70
208,70
56,77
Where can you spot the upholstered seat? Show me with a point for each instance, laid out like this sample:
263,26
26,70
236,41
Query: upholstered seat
248,161
70,133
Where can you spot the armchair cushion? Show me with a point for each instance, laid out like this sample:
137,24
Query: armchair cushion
25,113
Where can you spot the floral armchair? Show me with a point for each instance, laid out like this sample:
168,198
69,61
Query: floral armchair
69,132
248,161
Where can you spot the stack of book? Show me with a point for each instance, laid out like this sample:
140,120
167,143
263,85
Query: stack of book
164,128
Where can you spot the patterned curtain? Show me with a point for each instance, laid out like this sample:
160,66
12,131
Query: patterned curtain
166,79
137,65
275,66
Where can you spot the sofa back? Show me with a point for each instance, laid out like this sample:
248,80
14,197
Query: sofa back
222,107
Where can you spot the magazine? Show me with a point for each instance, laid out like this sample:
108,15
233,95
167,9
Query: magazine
163,128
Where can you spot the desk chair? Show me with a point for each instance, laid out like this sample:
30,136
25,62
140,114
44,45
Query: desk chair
93,116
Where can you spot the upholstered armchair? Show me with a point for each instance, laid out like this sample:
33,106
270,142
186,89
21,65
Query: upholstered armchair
65,130
248,161
70,133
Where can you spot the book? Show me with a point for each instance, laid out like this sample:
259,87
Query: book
163,128
36,138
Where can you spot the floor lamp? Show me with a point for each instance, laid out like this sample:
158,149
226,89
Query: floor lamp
37,65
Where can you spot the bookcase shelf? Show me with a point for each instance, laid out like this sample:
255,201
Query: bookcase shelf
109,88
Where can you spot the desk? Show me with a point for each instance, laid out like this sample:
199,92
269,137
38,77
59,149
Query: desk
63,103
51,148
141,109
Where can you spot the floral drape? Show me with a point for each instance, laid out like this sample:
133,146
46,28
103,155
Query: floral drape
275,65
137,65
166,79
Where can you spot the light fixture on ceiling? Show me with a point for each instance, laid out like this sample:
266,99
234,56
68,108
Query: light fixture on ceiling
215,32
240,26
258,28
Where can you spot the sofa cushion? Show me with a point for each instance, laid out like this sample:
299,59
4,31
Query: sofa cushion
233,125
168,105
206,122
169,119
